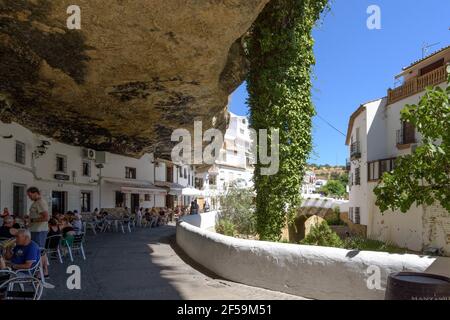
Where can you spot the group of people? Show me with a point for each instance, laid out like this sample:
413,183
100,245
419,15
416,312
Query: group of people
24,251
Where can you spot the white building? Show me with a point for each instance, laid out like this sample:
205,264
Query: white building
309,183
377,137
233,165
75,178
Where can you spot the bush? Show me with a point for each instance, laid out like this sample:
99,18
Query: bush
238,207
335,219
322,235
225,227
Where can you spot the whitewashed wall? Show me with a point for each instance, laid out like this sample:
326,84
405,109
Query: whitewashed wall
307,271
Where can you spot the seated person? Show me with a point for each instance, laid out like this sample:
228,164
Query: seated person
8,230
67,231
25,254
77,224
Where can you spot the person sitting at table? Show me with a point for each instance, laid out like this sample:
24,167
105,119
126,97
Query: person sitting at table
26,254
5,213
67,231
77,223
8,229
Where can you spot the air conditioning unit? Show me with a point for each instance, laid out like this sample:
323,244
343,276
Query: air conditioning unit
89,154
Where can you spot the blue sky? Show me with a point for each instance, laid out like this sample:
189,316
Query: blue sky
355,64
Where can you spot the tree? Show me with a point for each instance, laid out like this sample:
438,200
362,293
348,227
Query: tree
334,188
422,177
238,210
280,51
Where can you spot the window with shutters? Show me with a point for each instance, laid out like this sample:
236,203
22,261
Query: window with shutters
357,215
357,176
61,163
20,152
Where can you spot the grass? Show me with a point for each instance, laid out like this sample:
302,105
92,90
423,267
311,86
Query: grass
362,244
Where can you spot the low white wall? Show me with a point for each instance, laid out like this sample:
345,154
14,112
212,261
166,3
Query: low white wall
308,271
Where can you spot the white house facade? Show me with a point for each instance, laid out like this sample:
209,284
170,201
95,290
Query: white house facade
233,165
72,178
376,137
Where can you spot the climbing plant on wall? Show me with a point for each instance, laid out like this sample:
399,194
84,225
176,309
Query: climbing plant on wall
280,50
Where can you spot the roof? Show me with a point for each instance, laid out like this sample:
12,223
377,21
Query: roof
354,115
427,57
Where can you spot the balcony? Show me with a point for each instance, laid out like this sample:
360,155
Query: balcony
348,165
418,84
355,150
405,137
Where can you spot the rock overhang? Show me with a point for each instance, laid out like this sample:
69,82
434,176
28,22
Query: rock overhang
134,72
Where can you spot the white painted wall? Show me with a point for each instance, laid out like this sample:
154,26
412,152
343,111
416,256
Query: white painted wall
313,272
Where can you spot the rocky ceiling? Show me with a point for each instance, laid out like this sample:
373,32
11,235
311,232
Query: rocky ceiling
134,72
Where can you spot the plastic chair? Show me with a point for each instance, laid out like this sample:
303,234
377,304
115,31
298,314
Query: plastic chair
76,245
52,246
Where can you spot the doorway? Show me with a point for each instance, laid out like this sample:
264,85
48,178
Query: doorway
170,201
19,201
59,202
135,203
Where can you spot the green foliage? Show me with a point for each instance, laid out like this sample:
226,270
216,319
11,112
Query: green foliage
334,188
226,227
322,235
280,51
423,177
363,244
335,219
238,208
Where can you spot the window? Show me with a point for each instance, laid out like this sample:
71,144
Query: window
147,197
130,173
180,170
244,121
350,213
357,216
61,163
235,152
86,169
20,152
357,176
185,173
242,131
85,201
169,174
373,171
386,166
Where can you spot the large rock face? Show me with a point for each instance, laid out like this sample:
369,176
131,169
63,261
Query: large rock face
136,70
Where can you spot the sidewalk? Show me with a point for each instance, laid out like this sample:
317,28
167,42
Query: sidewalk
145,265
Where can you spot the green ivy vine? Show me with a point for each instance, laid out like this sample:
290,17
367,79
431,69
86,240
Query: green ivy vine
280,51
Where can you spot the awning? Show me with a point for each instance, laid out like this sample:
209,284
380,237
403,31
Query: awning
172,188
136,187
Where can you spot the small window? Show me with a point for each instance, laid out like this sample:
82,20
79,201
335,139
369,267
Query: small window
147,197
130,173
61,163
185,173
242,131
86,169
20,152
180,171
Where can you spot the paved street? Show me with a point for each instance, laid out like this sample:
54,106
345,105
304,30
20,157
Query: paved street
145,264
